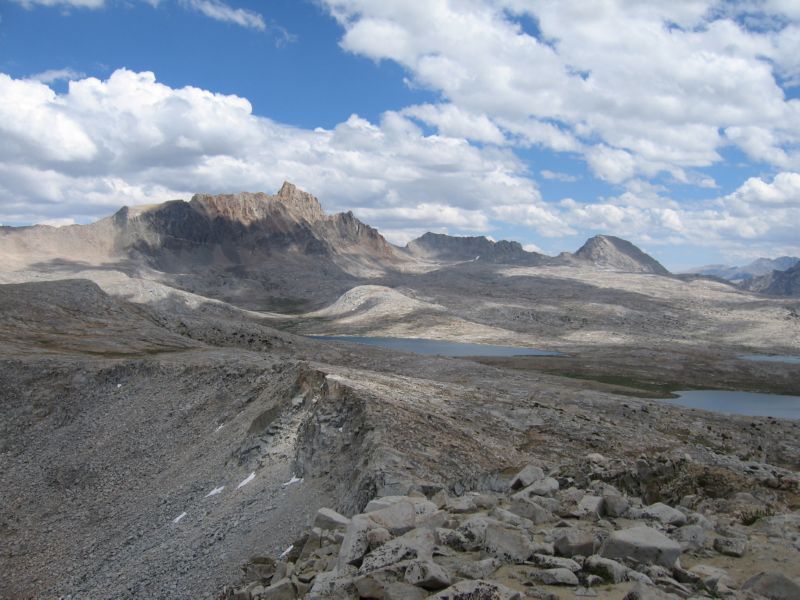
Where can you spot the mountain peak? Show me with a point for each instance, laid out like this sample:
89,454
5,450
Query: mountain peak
614,252
300,203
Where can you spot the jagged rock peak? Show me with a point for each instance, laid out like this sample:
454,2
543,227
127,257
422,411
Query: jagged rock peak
248,207
614,252
300,203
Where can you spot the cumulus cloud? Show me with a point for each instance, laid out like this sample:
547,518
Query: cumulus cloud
130,139
637,88
757,219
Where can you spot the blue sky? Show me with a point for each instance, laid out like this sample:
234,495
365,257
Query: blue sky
677,127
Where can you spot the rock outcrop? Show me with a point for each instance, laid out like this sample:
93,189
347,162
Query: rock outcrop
432,545
619,254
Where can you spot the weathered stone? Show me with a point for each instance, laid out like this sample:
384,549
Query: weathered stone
557,576
506,544
330,520
451,538
480,569
590,507
378,537
485,501
731,546
642,544
474,530
421,504
609,570
417,543
259,569
526,477
555,562
355,543
338,583
774,586
615,505
472,589
403,591
531,510
313,543
714,579
440,498
572,542
427,574
433,520
280,590
543,548
690,537
398,518
542,487
506,516
463,504
373,585
664,514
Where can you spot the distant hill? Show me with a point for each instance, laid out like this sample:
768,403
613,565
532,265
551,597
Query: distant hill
619,254
757,268
777,283
441,247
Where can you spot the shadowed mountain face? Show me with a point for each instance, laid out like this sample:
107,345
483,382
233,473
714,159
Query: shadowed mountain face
619,254
777,283
256,250
437,246
244,229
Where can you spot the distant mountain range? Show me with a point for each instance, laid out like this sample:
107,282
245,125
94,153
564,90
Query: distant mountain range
271,252
757,268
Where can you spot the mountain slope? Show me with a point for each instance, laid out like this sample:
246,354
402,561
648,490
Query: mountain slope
254,250
447,248
619,254
777,283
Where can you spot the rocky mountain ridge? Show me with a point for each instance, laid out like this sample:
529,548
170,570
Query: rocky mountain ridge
757,268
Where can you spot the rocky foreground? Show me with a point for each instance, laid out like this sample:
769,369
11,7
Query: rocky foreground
538,534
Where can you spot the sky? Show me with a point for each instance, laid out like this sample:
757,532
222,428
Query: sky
675,125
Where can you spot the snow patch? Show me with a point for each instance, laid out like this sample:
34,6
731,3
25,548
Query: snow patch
247,480
179,517
216,491
294,479
119,385
218,428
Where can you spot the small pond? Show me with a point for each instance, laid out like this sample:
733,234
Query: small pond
436,347
780,358
752,404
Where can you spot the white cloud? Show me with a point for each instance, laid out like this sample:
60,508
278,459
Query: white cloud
220,11
130,139
637,88
558,176
53,75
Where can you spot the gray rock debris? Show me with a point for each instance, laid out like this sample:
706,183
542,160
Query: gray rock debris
642,544
406,547
774,586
